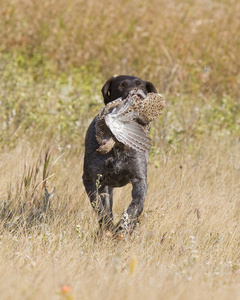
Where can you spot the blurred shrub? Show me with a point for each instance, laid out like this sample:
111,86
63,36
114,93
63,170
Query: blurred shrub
187,46
36,100
56,55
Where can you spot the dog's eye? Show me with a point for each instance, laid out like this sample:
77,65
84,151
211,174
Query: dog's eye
137,82
123,85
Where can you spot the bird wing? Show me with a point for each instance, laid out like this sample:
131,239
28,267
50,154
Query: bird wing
127,131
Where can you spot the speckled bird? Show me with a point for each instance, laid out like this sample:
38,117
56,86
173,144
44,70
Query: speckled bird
126,121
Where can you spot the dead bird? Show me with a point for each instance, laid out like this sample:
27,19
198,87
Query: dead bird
127,120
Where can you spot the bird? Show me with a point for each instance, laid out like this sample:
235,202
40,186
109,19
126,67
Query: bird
126,121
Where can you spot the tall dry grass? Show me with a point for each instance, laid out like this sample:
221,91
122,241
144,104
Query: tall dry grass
186,247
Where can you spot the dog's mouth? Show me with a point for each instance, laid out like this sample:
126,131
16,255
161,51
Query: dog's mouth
137,92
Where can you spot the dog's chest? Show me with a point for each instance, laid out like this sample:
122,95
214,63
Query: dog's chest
119,171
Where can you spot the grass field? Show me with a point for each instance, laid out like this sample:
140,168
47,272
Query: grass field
54,58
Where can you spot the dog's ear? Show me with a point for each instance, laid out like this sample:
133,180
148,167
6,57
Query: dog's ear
150,87
106,90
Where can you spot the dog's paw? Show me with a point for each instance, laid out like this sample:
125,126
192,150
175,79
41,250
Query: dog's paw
125,226
122,233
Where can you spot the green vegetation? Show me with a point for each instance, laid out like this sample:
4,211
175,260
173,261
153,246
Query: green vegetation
38,99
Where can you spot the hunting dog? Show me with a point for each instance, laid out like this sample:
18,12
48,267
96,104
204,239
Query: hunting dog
120,166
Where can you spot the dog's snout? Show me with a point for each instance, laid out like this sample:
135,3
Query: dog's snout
141,94
138,92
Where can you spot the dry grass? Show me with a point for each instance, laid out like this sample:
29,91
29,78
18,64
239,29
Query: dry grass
192,46
187,246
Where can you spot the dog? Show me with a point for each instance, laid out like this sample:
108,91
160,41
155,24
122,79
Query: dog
120,166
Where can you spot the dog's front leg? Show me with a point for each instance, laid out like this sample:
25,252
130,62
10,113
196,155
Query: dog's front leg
101,198
105,196
130,216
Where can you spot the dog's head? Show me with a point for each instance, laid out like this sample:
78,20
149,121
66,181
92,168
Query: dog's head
120,86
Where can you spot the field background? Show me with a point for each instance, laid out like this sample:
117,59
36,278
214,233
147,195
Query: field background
55,57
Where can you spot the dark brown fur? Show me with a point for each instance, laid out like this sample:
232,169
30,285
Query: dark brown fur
102,173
